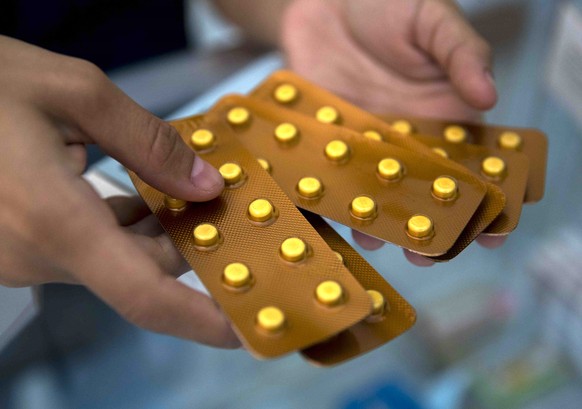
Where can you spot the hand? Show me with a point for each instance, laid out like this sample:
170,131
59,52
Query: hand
54,227
416,57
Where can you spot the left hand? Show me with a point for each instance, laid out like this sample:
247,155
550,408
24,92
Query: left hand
415,57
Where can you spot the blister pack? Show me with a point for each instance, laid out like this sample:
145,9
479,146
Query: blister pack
276,279
394,194
288,90
391,314
531,142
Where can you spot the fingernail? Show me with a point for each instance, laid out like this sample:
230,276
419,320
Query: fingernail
489,76
205,177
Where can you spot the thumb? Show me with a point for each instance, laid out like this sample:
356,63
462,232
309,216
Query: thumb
139,140
443,33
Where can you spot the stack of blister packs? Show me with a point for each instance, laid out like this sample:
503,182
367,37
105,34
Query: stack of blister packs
291,153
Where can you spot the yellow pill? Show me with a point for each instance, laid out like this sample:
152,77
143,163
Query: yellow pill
285,93
378,302
339,256
271,319
231,173
510,140
238,116
493,166
444,187
236,275
363,206
337,150
264,164
174,204
202,139
286,132
260,210
205,235
455,134
327,115
329,293
373,135
419,226
440,152
309,187
293,249
403,127
389,169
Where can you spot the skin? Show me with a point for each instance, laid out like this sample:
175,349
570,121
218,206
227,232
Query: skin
410,56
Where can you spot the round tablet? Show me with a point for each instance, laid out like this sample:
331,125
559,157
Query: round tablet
363,206
236,275
444,187
231,173
285,93
493,166
402,126
378,302
264,164
419,226
238,116
260,210
327,115
510,140
174,204
293,249
373,135
389,168
285,132
202,139
205,235
329,293
336,150
271,319
455,134
441,152
309,187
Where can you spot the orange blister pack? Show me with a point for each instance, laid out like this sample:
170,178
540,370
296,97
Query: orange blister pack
531,142
382,190
276,279
288,90
391,314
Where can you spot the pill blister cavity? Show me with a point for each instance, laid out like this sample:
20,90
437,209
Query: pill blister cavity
445,188
389,169
337,151
286,132
309,187
403,127
231,172
271,319
264,164
493,166
419,226
441,152
363,207
510,140
236,275
202,139
327,115
329,293
455,134
286,93
238,116
293,249
260,210
373,135
174,204
378,302
205,235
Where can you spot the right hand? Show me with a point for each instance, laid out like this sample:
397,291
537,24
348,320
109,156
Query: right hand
54,227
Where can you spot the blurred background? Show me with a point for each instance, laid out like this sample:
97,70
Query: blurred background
496,328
